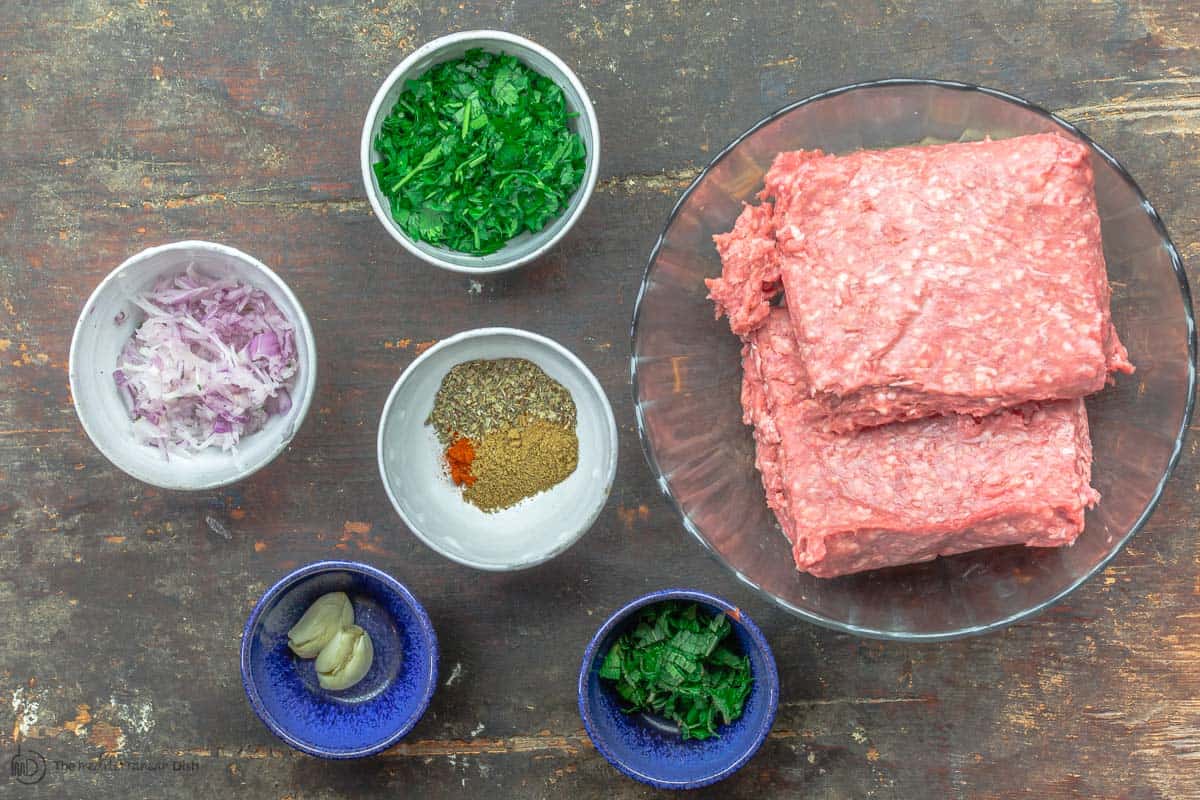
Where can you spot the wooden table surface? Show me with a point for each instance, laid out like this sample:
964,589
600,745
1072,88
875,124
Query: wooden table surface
138,123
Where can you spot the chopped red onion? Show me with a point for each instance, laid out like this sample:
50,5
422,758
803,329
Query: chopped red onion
210,363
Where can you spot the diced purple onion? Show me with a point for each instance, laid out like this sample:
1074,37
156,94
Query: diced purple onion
212,361
281,403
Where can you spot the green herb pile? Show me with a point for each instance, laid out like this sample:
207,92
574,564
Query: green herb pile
477,150
672,663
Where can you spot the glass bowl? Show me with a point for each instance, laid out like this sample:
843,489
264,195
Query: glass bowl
686,375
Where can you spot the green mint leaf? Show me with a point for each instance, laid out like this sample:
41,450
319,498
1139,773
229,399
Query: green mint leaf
677,661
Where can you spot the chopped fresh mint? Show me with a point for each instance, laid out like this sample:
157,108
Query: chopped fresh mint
674,662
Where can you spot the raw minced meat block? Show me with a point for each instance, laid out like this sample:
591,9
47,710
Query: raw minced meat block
750,270
924,286
768,455
963,278
909,491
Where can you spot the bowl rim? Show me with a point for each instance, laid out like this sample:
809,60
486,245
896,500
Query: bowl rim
591,130
285,583
1181,435
737,617
478,333
306,388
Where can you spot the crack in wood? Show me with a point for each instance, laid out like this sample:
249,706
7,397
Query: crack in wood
649,181
25,431
856,701
666,181
541,744
1129,109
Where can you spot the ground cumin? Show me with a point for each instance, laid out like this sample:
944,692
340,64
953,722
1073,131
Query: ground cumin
459,456
518,462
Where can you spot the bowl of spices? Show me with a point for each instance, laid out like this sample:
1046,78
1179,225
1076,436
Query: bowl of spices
339,659
192,365
498,448
678,689
480,151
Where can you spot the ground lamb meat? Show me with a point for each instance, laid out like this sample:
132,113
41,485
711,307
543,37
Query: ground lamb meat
919,390
961,278
908,492
750,277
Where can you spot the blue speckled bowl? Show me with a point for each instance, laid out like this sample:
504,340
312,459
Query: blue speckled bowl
648,750
373,714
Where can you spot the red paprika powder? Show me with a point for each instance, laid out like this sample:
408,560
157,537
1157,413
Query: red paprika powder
459,456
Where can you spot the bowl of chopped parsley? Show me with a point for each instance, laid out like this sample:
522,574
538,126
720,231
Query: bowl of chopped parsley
480,151
678,689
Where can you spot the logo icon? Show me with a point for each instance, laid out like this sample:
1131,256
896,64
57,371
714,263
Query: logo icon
27,766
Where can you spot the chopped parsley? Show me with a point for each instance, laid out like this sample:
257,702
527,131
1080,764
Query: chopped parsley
477,150
672,663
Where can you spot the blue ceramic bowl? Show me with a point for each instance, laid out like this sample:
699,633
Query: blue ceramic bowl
373,714
649,749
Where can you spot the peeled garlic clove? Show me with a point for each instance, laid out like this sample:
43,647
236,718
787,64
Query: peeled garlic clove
323,619
346,659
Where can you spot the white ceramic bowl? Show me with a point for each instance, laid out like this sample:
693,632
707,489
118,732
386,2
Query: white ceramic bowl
526,246
413,470
99,339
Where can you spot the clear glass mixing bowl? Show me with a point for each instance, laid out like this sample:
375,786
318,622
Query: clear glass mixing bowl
687,375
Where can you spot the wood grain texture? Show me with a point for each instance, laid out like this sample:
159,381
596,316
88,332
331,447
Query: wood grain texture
131,124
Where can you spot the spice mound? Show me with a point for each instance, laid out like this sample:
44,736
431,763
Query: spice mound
507,429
